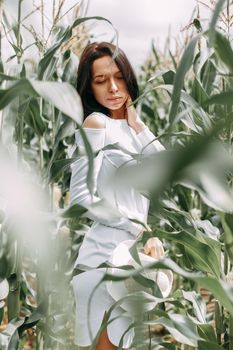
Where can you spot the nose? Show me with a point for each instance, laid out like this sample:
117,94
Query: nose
113,85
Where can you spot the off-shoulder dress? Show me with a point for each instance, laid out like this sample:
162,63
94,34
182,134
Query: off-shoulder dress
106,233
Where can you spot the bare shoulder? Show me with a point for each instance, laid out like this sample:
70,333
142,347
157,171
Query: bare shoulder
94,121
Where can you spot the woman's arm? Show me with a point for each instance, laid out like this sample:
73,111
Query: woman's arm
79,192
148,142
143,133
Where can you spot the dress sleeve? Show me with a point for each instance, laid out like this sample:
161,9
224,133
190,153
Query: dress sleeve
80,194
149,146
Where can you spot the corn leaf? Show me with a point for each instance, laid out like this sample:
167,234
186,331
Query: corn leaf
183,68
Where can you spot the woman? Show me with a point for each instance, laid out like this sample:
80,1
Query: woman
107,85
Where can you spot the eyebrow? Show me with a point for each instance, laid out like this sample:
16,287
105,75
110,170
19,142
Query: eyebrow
103,75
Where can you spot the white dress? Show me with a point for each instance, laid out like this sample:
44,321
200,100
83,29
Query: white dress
106,232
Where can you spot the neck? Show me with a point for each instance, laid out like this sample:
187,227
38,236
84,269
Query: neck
118,114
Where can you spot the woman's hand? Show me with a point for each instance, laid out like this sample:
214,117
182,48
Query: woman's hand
131,115
154,248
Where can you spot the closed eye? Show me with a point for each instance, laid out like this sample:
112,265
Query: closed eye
99,81
119,77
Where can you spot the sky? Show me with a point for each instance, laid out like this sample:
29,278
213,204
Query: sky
137,21
140,21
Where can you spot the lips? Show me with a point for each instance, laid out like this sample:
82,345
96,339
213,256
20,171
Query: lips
114,98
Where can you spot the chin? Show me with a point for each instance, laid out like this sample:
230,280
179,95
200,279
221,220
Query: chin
116,107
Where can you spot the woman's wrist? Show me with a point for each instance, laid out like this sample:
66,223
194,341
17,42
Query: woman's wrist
138,126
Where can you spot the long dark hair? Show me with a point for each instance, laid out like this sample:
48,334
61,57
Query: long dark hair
90,54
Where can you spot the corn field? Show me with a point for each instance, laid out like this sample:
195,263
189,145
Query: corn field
187,100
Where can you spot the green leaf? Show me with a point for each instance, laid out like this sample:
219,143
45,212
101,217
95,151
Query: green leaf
198,93
73,212
59,166
224,98
5,262
35,317
1,67
213,22
134,253
227,223
180,327
169,77
197,303
90,156
207,332
148,111
220,290
21,87
33,119
196,165
202,252
183,68
163,73
213,244
205,176
66,129
173,60
209,229
7,77
203,345
208,75
224,50
49,55
195,108
155,52
218,287
62,95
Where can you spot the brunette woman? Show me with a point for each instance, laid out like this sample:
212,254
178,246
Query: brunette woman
107,86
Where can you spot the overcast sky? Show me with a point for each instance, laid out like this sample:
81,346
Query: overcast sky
137,21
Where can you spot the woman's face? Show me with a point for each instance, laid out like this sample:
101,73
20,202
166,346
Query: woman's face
108,85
